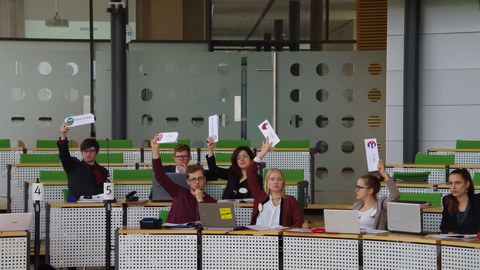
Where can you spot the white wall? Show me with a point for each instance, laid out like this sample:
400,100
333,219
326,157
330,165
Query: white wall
449,79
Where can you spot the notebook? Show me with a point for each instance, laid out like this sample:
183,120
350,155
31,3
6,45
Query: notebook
159,194
15,222
217,216
341,221
404,217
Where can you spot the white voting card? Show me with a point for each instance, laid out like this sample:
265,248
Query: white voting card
268,132
79,120
213,127
168,137
371,149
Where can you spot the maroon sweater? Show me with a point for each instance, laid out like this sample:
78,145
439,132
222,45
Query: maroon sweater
290,212
184,205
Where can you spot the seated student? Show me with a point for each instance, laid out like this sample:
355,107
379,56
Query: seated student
184,207
373,210
236,175
85,177
461,208
271,206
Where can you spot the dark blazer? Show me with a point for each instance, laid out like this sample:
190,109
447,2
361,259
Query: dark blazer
228,174
290,212
81,181
471,224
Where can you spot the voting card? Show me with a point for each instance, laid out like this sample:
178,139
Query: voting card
213,127
268,132
79,120
371,149
167,137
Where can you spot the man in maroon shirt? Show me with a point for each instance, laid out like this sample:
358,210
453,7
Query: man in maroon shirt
185,202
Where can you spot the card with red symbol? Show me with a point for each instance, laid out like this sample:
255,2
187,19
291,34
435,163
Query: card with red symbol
269,133
167,137
371,149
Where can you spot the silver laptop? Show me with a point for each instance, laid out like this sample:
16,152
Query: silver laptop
404,217
341,221
217,216
159,194
15,222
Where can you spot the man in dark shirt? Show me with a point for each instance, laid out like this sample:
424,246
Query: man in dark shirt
86,176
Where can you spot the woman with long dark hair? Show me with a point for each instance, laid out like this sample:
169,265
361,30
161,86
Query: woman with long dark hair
236,175
461,213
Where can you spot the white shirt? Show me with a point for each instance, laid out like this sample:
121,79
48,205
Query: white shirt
269,214
366,219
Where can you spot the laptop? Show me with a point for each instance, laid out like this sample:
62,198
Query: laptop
341,221
159,194
404,217
15,222
217,216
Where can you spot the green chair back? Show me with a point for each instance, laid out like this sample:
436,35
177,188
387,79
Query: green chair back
5,143
466,144
476,180
232,143
112,158
52,176
167,157
50,143
435,199
112,144
291,175
293,144
223,157
40,158
434,159
132,175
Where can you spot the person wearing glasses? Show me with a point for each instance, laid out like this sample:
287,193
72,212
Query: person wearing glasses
372,209
461,208
236,175
185,202
86,176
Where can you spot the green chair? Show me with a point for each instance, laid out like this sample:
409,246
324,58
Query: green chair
50,143
223,157
105,158
434,159
232,143
52,176
293,144
466,144
5,143
120,176
476,179
291,175
411,176
40,158
435,199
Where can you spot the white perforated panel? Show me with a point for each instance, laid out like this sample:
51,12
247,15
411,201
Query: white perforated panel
398,255
454,258
320,253
6,157
437,176
13,253
431,222
240,252
154,251
243,215
467,158
216,191
77,236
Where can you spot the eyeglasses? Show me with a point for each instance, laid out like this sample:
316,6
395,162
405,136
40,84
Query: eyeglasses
359,187
89,151
197,179
182,157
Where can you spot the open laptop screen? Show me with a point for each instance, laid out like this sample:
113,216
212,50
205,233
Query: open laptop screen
159,194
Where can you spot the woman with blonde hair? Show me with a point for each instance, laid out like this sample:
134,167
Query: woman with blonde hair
272,206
